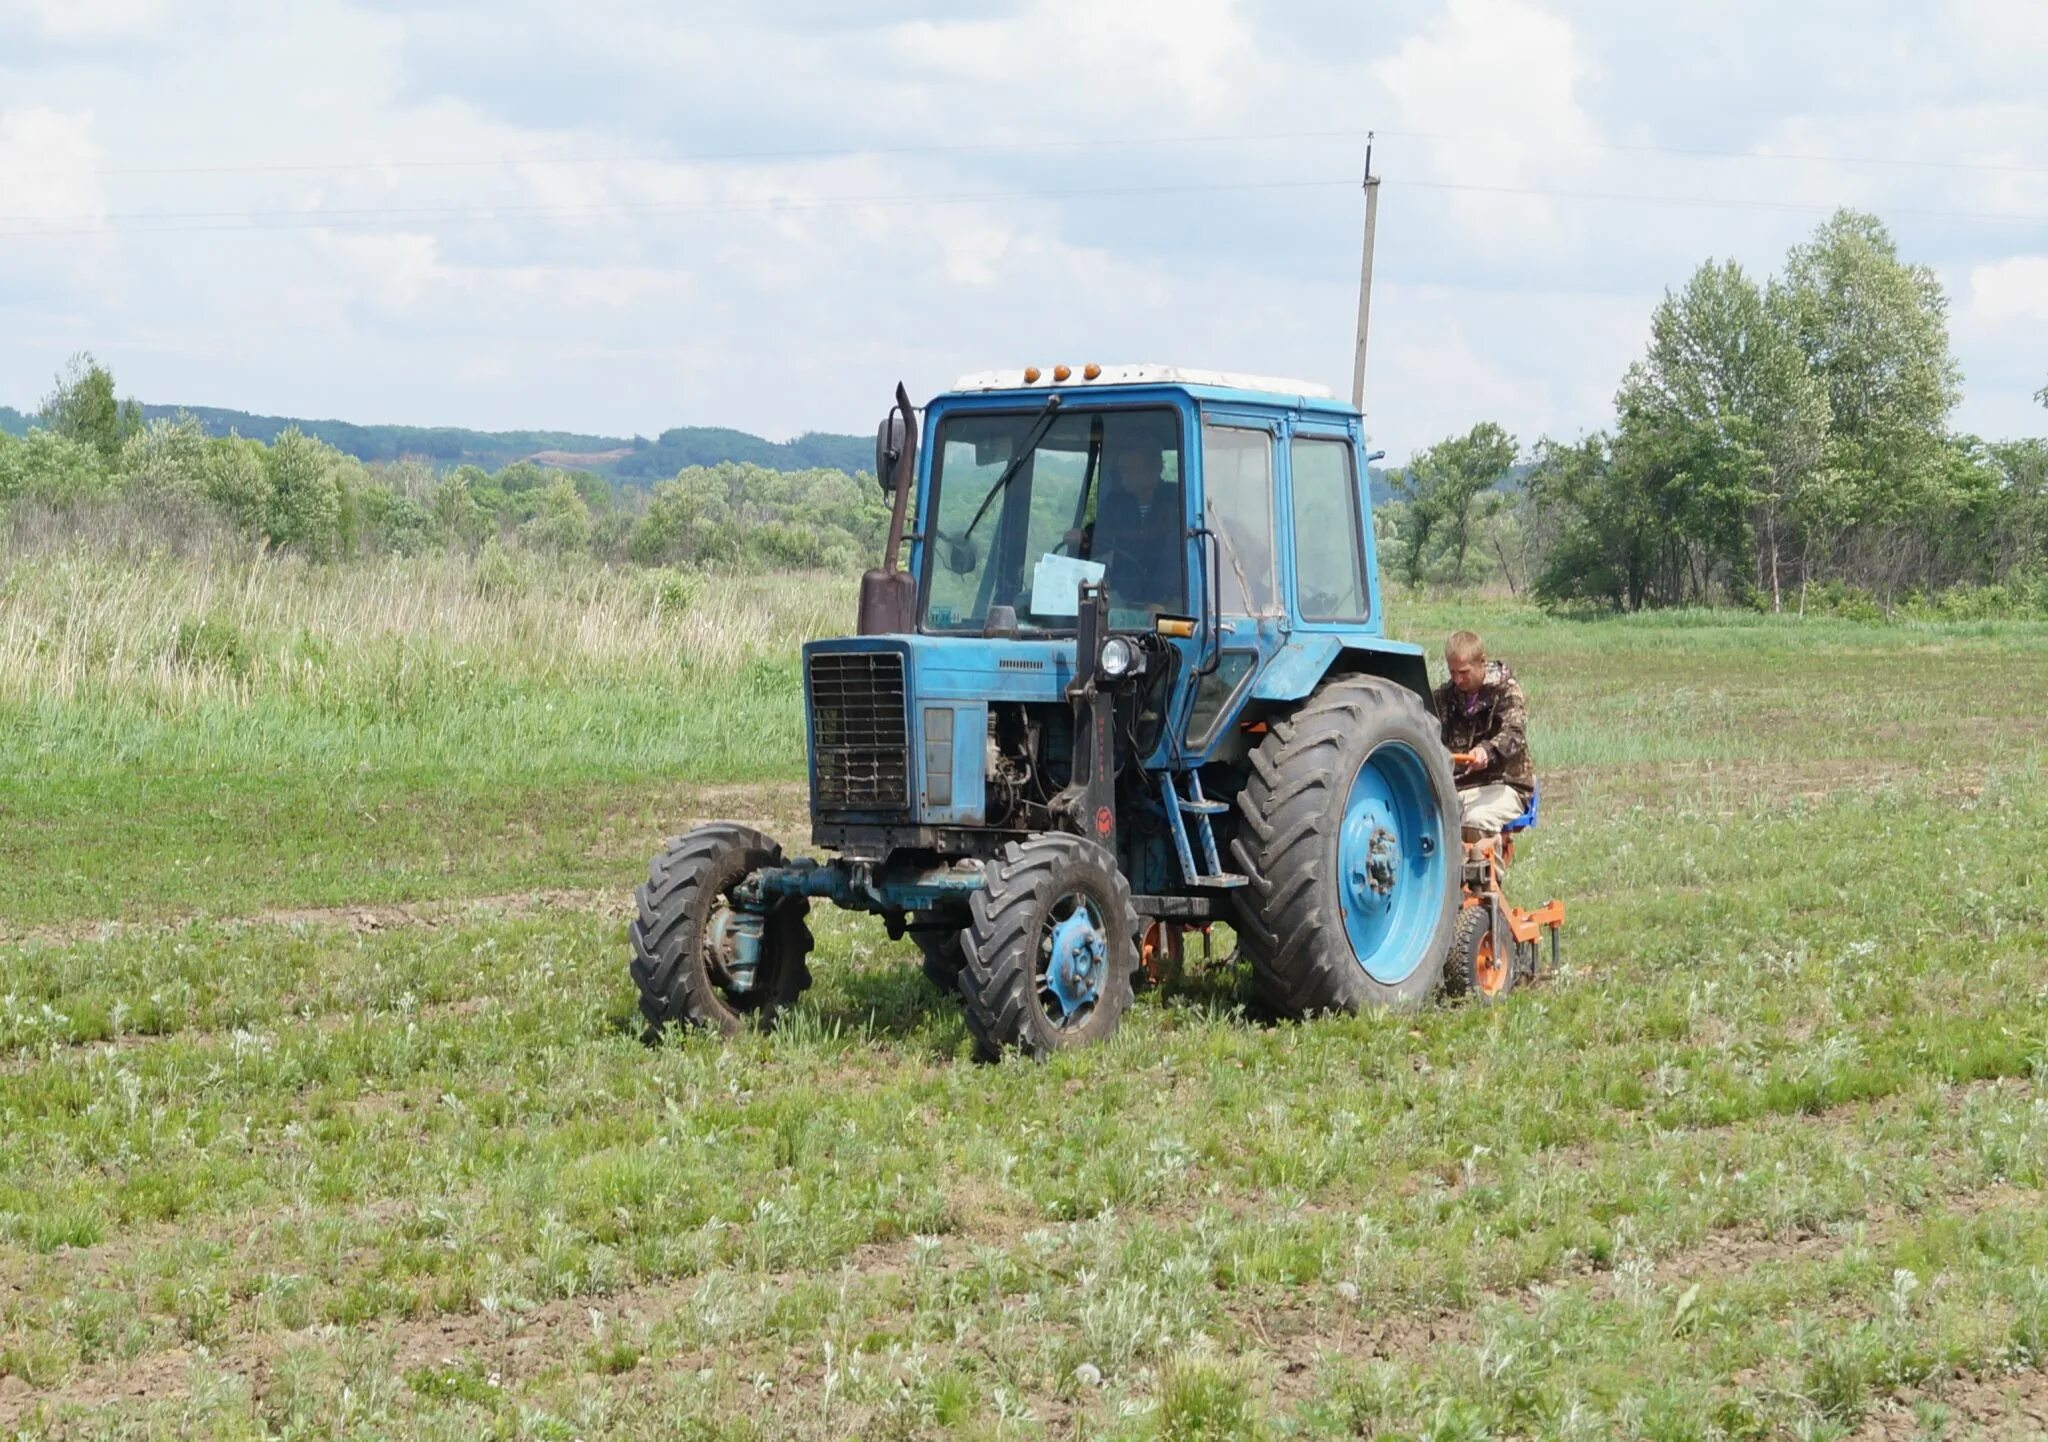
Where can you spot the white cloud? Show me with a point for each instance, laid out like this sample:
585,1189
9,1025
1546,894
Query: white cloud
2006,38
1058,62
2010,291
1493,85
47,169
393,271
74,20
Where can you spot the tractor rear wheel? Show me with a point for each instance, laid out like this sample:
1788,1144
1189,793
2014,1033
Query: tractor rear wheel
681,955
1349,839
1479,966
1048,949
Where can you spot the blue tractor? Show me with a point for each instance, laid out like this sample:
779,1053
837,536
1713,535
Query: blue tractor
1134,679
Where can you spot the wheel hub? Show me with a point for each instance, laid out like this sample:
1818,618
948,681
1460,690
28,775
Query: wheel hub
1077,955
732,945
1391,873
1373,850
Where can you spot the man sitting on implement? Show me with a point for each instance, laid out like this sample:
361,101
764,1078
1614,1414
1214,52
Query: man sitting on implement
1484,720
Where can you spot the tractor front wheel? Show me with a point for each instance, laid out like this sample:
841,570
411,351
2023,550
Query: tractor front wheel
1048,951
682,936
942,955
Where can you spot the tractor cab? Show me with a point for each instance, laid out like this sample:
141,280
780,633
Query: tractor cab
1131,674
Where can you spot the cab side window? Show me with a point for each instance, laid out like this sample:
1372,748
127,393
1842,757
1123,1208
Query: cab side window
1237,489
1329,549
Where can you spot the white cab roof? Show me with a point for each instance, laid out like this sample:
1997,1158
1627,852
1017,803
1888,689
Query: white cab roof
1135,375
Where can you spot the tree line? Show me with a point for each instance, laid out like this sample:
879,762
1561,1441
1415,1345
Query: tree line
1780,439
1783,442
89,450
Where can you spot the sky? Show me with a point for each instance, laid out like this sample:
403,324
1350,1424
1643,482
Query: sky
619,217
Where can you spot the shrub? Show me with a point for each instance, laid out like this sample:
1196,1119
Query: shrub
305,499
44,466
496,578
238,482
212,644
166,462
560,521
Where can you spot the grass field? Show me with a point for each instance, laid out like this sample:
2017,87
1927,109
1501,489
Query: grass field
325,1113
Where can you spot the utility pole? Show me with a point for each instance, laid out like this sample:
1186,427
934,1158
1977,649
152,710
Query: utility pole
1372,212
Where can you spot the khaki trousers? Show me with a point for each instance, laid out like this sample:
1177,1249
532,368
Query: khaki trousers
1489,808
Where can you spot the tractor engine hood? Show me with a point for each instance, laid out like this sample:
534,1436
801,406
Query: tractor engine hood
897,725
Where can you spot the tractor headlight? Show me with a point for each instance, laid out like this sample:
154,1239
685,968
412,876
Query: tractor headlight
1119,657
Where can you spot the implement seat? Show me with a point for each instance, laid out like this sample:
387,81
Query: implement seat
1527,820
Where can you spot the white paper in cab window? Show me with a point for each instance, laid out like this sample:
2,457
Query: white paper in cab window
1056,584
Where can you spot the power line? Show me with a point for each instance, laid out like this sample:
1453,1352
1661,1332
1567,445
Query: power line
1119,142
209,222
325,219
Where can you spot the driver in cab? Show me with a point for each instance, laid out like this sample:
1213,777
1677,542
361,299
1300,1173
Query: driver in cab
1137,531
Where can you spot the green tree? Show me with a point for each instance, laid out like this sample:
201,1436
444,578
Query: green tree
84,408
1738,423
1442,486
166,463
688,521
45,466
237,481
305,495
1874,331
560,521
2020,540
456,506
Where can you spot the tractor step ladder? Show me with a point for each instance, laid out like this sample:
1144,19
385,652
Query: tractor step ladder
1201,808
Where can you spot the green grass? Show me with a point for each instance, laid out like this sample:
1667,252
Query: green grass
1764,1161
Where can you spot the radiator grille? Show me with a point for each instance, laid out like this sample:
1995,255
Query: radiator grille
860,741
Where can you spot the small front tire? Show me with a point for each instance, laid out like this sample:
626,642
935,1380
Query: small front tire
1048,949
686,895
942,957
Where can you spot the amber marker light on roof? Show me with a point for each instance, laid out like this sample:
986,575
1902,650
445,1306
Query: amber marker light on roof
1090,371
1060,373
1031,375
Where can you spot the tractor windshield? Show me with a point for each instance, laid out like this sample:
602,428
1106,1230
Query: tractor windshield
1098,498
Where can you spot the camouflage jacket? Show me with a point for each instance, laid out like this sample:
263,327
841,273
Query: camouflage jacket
1493,717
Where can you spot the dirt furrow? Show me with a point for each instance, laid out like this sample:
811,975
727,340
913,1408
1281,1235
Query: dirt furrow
358,917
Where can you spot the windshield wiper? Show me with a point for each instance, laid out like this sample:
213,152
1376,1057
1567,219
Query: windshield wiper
1032,439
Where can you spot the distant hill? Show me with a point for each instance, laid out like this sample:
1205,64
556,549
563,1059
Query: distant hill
630,459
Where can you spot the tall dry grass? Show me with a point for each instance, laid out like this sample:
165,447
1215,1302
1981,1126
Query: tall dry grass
82,624
506,664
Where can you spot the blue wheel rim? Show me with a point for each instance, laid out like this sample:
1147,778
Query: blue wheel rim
1073,959
1391,864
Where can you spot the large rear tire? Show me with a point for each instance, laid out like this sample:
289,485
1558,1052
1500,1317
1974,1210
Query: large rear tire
1048,949
1350,845
686,897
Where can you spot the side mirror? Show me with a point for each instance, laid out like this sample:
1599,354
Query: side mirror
889,443
961,556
